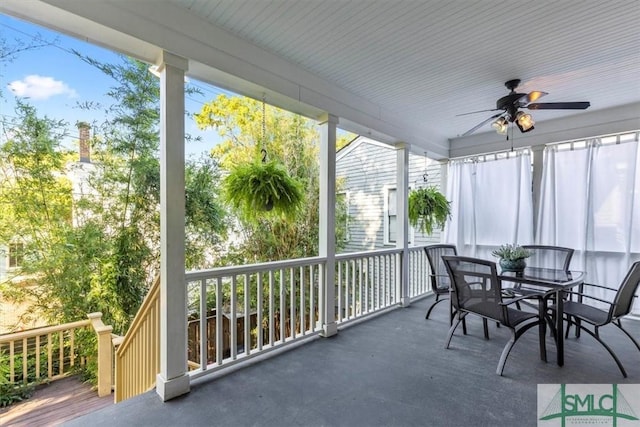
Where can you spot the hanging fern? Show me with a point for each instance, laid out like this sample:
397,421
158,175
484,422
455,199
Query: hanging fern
428,209
261,189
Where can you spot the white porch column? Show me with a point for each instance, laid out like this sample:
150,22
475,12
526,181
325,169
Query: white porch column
402,223
172,380
327,238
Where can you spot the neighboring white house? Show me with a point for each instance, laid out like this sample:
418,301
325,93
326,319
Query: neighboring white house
366,174
10,258
78,174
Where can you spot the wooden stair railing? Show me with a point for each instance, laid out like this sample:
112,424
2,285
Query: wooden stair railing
137,357
51,352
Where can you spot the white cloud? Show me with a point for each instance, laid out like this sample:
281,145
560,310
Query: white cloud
40,87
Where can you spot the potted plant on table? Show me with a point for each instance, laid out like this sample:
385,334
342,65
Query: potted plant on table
512,257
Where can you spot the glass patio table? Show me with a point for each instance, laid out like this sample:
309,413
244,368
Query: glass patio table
548,282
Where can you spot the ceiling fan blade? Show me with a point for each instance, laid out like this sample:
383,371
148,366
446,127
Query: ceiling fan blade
559,106
479,125
479,111
534,96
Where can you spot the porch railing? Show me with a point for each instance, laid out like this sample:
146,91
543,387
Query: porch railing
137,358
52,352
419,285
366,282
239,312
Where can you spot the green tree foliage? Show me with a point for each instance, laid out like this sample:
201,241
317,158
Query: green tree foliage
126,189
247,126
206,218
98,248
35,196
292,142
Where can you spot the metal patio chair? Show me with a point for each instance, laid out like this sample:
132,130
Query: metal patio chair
577,312
438,276
477,290
543,256
553,257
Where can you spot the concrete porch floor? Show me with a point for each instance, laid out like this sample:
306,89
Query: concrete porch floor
392,370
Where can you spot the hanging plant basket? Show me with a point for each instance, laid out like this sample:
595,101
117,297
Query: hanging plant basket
428,209
262,188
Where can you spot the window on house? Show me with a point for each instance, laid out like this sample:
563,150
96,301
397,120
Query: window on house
391,217
16,255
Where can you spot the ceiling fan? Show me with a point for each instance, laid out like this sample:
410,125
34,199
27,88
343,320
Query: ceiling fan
510,105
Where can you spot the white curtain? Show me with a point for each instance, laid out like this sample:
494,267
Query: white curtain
590,201
491,204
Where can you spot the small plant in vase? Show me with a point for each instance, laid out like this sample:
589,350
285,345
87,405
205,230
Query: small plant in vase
512,257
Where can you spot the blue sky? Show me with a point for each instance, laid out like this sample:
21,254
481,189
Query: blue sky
54,80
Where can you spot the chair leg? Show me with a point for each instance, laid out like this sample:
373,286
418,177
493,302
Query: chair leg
485,327
568,328
505,353
514,337
464,322
438,300
459,317
619,325
542,332
552,328
573,321
597,337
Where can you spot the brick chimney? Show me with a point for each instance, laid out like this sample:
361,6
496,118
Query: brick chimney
84,131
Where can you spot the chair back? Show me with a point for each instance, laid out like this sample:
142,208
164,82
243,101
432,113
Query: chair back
624,297
439,276
555,257
476,287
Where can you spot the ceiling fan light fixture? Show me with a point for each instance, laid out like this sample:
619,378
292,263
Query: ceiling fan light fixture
524,122
500,125
535,95
514,101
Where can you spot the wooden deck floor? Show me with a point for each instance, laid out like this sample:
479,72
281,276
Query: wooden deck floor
54,403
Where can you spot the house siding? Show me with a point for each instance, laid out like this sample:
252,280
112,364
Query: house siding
366,169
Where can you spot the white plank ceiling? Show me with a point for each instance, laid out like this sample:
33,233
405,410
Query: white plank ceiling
425,62
432,60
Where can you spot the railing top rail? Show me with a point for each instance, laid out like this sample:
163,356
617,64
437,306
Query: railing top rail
145,307
251,268
43,331
365,254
